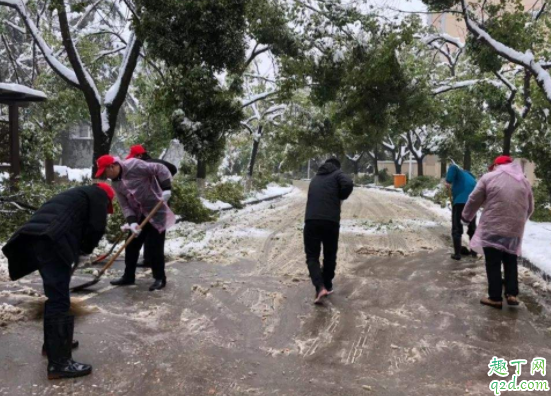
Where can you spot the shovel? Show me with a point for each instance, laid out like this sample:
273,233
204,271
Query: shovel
110,263
105,255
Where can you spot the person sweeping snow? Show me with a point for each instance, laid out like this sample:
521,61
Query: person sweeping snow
139,186
139,152
327,190
462,184
507,199
68,225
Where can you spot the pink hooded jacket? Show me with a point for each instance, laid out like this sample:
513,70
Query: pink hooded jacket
138,191
508,203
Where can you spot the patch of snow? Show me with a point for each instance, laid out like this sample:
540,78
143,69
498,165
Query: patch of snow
232,178
273,190
17,88
77,175
536,245
218,205
4,274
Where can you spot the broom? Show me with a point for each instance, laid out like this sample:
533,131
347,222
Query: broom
35,307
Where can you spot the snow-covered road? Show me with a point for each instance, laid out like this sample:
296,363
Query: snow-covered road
237,317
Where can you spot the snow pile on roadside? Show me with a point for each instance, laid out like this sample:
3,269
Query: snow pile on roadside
216,206
232,179
72,174
273,190
536,245
4,275
4,176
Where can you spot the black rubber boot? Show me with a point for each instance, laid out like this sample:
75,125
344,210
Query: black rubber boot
122,281
158,285
456,249
74,346
58,338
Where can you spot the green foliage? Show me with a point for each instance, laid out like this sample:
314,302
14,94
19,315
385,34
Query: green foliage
32,193
384,178
194,32
261,181
114,223
185,202
417,185
542,199
207,113
231,193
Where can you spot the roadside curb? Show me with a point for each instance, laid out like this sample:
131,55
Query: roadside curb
254,202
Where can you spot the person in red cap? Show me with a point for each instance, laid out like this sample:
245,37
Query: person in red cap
508,202
138,151
68,225
139,186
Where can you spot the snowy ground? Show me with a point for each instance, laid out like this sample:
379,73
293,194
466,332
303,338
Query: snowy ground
237,318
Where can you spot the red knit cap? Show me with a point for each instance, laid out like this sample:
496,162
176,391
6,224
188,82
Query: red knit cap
501,160
110,194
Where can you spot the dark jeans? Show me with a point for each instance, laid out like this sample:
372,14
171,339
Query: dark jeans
316,234
56,277
494,258
154,252
457,227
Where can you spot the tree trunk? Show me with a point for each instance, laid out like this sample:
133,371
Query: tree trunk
49,165
102,141
398,167
256,145
467,158
420,167
356,167
507,137
443,167
201,175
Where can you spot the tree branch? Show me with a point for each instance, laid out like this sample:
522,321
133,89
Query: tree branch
61,70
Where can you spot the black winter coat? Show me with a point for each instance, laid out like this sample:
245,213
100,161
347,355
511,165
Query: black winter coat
73,221
172,169
327,189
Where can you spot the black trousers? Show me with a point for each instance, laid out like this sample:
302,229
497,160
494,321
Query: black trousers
56,277
153,242
457,227
494,258
318,233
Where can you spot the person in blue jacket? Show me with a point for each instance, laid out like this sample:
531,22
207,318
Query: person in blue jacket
462,184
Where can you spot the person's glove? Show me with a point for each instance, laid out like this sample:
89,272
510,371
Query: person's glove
134,228
166,195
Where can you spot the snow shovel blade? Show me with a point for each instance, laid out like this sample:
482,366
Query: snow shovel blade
85,285
112,260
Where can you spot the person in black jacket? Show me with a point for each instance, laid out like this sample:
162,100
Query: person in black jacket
68,225
327,190
138,151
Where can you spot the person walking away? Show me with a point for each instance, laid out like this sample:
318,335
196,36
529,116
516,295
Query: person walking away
139,186
328,189
508,202
138,151
67,226
462,184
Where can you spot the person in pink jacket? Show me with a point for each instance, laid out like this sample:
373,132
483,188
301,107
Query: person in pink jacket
506,196
139,186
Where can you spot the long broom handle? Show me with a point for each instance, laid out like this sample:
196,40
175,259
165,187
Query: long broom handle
146,220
